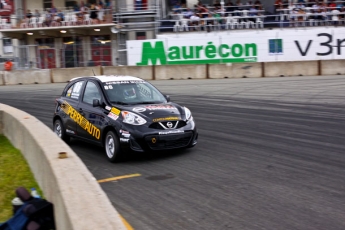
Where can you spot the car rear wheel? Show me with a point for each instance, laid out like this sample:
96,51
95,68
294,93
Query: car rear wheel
112,147
59,129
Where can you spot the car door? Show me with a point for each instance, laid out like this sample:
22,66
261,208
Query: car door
69,105
90,129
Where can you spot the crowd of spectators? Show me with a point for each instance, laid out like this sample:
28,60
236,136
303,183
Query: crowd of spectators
202,14
332,12
300,12
79,13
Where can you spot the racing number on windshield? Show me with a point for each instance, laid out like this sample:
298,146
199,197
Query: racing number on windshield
74,90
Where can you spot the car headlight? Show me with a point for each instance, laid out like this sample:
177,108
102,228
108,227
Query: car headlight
188,113
132,118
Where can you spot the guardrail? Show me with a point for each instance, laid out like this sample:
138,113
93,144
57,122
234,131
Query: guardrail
79,202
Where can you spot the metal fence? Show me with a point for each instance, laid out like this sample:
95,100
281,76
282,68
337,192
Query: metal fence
69,54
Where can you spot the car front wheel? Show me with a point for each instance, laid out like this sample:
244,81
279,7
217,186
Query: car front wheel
59,129
112,147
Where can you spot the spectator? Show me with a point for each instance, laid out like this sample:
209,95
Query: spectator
76,7
83,8
239,5
310,3
322,6
299,5
61,16
53,10
37,14
177,8
203,11
342,14
209,22
8,65
93,13
332,5
300,16
107,4
195,20
277,5
187,13
48,18
258,3
249,3
316,6
229,7
28,14
100,12
340,5
253,11
217,5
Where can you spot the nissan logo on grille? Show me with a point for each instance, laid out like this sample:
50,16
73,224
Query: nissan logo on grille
170,125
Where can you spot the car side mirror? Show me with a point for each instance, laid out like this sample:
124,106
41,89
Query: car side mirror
96,103
167,97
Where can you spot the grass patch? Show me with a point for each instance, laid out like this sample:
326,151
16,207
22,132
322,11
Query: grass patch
14,172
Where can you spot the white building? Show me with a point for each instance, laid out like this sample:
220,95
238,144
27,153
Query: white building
69,33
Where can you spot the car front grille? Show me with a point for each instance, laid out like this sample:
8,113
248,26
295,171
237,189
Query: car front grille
164,125
169,141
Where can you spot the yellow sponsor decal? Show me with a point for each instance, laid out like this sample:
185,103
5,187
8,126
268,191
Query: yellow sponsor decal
80,120
154,140
115,111
166,119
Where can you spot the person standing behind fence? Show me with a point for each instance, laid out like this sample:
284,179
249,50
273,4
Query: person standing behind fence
100,13
93,14
8,65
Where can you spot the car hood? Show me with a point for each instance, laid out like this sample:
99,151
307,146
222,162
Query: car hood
158,112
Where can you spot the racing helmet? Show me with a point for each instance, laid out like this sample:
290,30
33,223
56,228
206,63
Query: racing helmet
129,91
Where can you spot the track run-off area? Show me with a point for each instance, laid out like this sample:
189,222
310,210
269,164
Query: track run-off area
271,155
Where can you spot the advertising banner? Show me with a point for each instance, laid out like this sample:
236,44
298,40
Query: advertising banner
290,44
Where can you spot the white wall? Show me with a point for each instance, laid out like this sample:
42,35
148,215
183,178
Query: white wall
34,4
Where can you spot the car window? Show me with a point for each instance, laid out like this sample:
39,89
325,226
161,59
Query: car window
147,93
91,92
74,90
132,92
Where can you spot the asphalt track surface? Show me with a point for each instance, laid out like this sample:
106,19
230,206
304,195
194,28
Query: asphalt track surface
271,155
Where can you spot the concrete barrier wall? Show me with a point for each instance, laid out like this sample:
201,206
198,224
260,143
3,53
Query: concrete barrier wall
332,67
66,74
235,70
180,72
304,68
144,72
2,79
15,77
79,202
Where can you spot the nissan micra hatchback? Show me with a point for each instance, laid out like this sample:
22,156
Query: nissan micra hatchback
122,113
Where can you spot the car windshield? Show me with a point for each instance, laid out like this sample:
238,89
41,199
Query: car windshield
132,92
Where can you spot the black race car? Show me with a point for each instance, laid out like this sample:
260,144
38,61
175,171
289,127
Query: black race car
122,112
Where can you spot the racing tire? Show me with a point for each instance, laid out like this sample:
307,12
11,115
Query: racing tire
112,147
60,131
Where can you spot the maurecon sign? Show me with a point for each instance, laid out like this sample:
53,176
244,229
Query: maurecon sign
158,52
288,44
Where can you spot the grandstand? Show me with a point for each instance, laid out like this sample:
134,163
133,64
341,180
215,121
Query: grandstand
224,15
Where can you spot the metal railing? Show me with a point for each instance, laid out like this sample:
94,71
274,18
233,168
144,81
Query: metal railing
247,20
69,54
